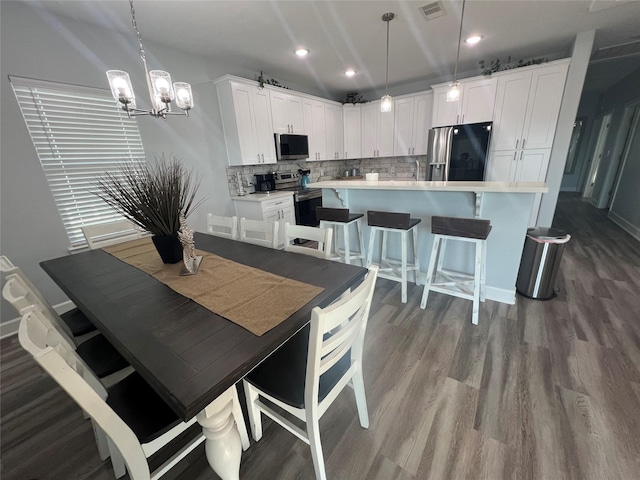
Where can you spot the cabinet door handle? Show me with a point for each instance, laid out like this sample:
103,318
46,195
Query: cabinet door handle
514,156
458,118
521,153
523,140
517,142
345,155
262,154
462,118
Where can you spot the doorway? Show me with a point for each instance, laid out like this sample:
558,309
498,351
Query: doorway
627,129
597,157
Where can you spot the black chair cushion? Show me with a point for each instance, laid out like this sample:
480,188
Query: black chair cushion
141,408
101,357
401,221
461,227
282,375
77,322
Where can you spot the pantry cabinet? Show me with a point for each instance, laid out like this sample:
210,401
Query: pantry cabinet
352,131
475,104
523,165
247,123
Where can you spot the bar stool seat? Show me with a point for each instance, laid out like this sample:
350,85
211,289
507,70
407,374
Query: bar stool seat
340,219
395,223
462,285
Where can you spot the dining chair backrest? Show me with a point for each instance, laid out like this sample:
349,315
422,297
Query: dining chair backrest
336,331
259,232
220,226
323,236
106,234
5,265
22,294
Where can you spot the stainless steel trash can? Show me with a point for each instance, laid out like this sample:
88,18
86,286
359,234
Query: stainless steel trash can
540,262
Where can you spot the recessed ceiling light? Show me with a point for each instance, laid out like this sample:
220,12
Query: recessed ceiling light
472,40
350,72
302,52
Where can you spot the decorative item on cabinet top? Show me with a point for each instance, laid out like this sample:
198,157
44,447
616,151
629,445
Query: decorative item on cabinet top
262,81
495,65
354,98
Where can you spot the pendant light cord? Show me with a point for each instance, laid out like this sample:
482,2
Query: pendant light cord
386,81
455,73
135,27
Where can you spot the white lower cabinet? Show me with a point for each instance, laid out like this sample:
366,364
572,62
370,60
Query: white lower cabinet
277,209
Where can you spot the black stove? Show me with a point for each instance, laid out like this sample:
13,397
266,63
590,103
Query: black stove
290,182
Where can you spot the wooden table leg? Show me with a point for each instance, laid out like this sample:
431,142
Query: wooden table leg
222,445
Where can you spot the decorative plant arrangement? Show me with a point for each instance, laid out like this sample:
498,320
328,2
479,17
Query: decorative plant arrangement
354,98
495,65
268,81
153,195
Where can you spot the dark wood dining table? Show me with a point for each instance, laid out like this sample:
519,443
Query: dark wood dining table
188,354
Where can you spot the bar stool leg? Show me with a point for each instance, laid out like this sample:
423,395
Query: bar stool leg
383,255
416,260
372,239
483,272
404,266
476,284
347,244
430,271
361,241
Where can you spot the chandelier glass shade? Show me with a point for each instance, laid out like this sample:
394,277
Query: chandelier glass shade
161,91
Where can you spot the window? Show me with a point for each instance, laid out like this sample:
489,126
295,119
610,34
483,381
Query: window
78,133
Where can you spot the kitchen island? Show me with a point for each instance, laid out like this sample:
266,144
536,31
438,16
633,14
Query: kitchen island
508,205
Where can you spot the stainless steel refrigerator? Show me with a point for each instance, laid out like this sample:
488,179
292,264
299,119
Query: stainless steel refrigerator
458,152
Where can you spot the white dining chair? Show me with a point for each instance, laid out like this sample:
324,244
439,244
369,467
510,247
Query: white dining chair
96,352
306,374
73,322
259,232
221,226
105,234
136,421
322,236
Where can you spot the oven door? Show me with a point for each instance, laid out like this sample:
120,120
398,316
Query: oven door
306,211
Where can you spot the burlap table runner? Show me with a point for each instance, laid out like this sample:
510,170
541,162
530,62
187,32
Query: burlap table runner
252,298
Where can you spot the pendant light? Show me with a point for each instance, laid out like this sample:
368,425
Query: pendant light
387,103
161,91
453,94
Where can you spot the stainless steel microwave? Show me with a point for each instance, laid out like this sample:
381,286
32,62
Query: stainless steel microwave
291,147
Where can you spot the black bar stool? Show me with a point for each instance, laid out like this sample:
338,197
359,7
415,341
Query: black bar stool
463,285
398,223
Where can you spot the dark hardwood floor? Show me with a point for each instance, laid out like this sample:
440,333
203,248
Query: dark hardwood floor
538,390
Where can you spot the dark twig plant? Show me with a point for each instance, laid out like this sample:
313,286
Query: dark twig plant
152,195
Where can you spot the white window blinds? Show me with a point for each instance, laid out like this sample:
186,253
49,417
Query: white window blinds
79,133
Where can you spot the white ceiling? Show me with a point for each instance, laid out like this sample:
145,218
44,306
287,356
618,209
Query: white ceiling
261,35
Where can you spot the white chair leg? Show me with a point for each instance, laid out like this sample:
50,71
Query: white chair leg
430,271
403,243
483,272
313,430
255,420
239,418
101,441
476,284
117,460
443,249
361,241
372,239
361,399
347,244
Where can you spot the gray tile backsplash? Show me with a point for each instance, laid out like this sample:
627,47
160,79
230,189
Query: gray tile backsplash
387,167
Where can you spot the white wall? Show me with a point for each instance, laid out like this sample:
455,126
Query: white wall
39,45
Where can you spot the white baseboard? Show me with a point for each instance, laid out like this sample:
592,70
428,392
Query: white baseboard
625,225
11,327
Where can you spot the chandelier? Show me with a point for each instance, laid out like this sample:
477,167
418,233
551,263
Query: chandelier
161,91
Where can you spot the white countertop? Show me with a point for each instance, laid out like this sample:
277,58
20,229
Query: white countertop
477,187
261,197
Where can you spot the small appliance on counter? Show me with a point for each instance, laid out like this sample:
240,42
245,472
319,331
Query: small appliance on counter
458,152
265,182
304,178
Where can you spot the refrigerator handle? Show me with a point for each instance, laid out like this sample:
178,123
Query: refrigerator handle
449,144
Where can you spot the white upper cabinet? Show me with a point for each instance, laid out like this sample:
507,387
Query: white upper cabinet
377,131
247,123
352,131
286,111
475,104
338,125
527,107
412,121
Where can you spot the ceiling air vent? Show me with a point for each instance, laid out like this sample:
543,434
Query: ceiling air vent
432,10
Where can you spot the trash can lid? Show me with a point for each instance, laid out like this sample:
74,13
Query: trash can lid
546,233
